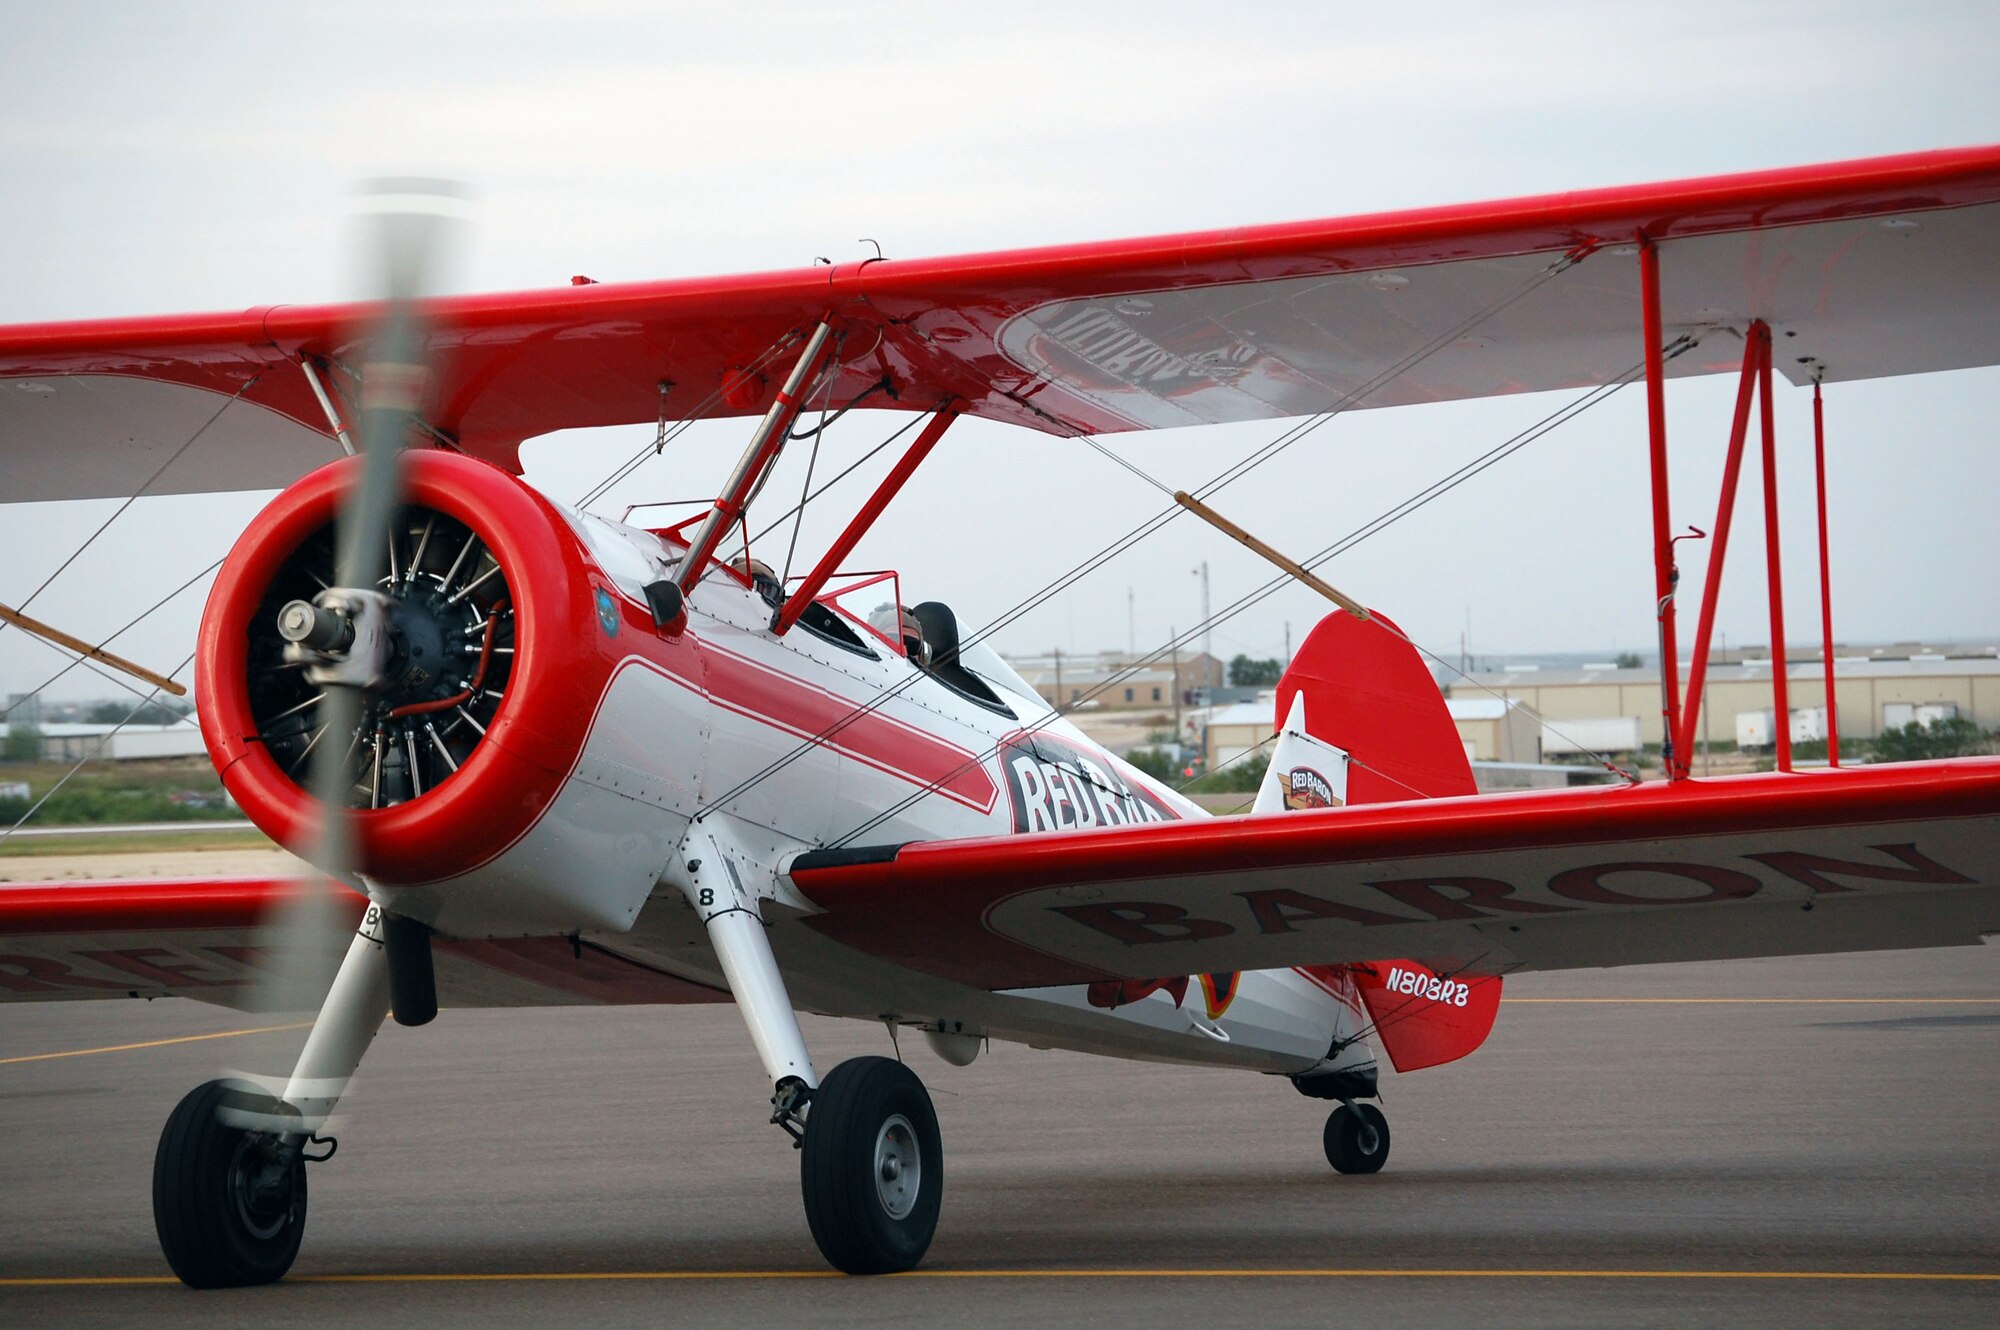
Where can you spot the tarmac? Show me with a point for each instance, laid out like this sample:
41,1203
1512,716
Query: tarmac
1810,1141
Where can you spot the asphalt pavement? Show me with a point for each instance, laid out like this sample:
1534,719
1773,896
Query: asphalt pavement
1801,1141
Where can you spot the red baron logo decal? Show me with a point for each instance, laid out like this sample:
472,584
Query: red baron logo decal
1055,785
1306,788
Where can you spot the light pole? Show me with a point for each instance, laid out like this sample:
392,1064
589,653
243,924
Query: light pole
1207,644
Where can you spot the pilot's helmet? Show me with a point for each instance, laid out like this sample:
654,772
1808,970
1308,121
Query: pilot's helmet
761,577
896,622
913,639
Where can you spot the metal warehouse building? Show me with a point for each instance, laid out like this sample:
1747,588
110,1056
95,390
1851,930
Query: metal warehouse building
71,742
1874,693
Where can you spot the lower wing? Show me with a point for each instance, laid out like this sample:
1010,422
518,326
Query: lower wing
209,939
1847,859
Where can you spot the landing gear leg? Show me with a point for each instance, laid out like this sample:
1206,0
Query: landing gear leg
229,1177
1356,1138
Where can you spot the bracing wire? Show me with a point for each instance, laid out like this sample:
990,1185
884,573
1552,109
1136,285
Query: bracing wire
103,739
849,470
657,445
1221,767
1375,526
118,512
1285,439
129,624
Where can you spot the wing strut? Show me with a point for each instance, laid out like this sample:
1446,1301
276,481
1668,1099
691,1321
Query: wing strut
1265,552
1781,702
757,458
1665,575
1756,352
326,404
884,492
1754,381
1825,582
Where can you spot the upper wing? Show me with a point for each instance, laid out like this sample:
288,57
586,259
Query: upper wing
207,940
1836,860
1885,266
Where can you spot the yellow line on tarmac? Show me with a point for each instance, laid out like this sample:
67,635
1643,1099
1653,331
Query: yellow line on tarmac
1901,1276
154,1043
1753,1001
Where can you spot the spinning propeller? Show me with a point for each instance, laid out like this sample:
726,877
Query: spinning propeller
360,662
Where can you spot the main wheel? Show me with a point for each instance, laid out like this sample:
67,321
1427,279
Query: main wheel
228,1203
1357,1139
873,1167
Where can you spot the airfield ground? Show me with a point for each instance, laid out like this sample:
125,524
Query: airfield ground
1805,1141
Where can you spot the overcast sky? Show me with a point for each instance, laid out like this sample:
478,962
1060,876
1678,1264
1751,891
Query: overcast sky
158,158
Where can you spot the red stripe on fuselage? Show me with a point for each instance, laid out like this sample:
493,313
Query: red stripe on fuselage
771,697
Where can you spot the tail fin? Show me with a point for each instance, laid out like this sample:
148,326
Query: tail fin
1359,684
1368,691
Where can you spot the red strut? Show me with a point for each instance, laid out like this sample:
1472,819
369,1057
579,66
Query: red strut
1825,583
1663,549
841,548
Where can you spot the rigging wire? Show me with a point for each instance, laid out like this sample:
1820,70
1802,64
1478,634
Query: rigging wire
1373,527
118,512
656,445
102,673
852,467
812,459
1128,464
26,697
1380,523
805,488
1236,471
1261,744
103,739
879,386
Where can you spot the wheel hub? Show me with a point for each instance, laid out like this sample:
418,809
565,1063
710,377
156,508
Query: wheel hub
898,1167
261,1187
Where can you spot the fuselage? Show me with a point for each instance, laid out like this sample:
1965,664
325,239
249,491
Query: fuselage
918,758
621,740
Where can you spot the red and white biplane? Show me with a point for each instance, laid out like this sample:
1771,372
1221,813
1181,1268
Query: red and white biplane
548,758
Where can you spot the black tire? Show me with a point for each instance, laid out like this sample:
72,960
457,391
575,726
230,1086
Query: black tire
864,1222
228,1213
1357,1139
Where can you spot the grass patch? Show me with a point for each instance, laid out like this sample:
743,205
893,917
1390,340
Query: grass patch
167,790
155,842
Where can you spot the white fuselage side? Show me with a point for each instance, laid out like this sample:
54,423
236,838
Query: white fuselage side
801,742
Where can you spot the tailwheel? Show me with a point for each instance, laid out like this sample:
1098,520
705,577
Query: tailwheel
229,1201
1357,1139
873,1167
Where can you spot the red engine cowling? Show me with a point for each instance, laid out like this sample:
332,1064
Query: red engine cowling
497,660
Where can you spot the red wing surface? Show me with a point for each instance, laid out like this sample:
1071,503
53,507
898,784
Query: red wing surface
1886,266
1851,859
209,939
